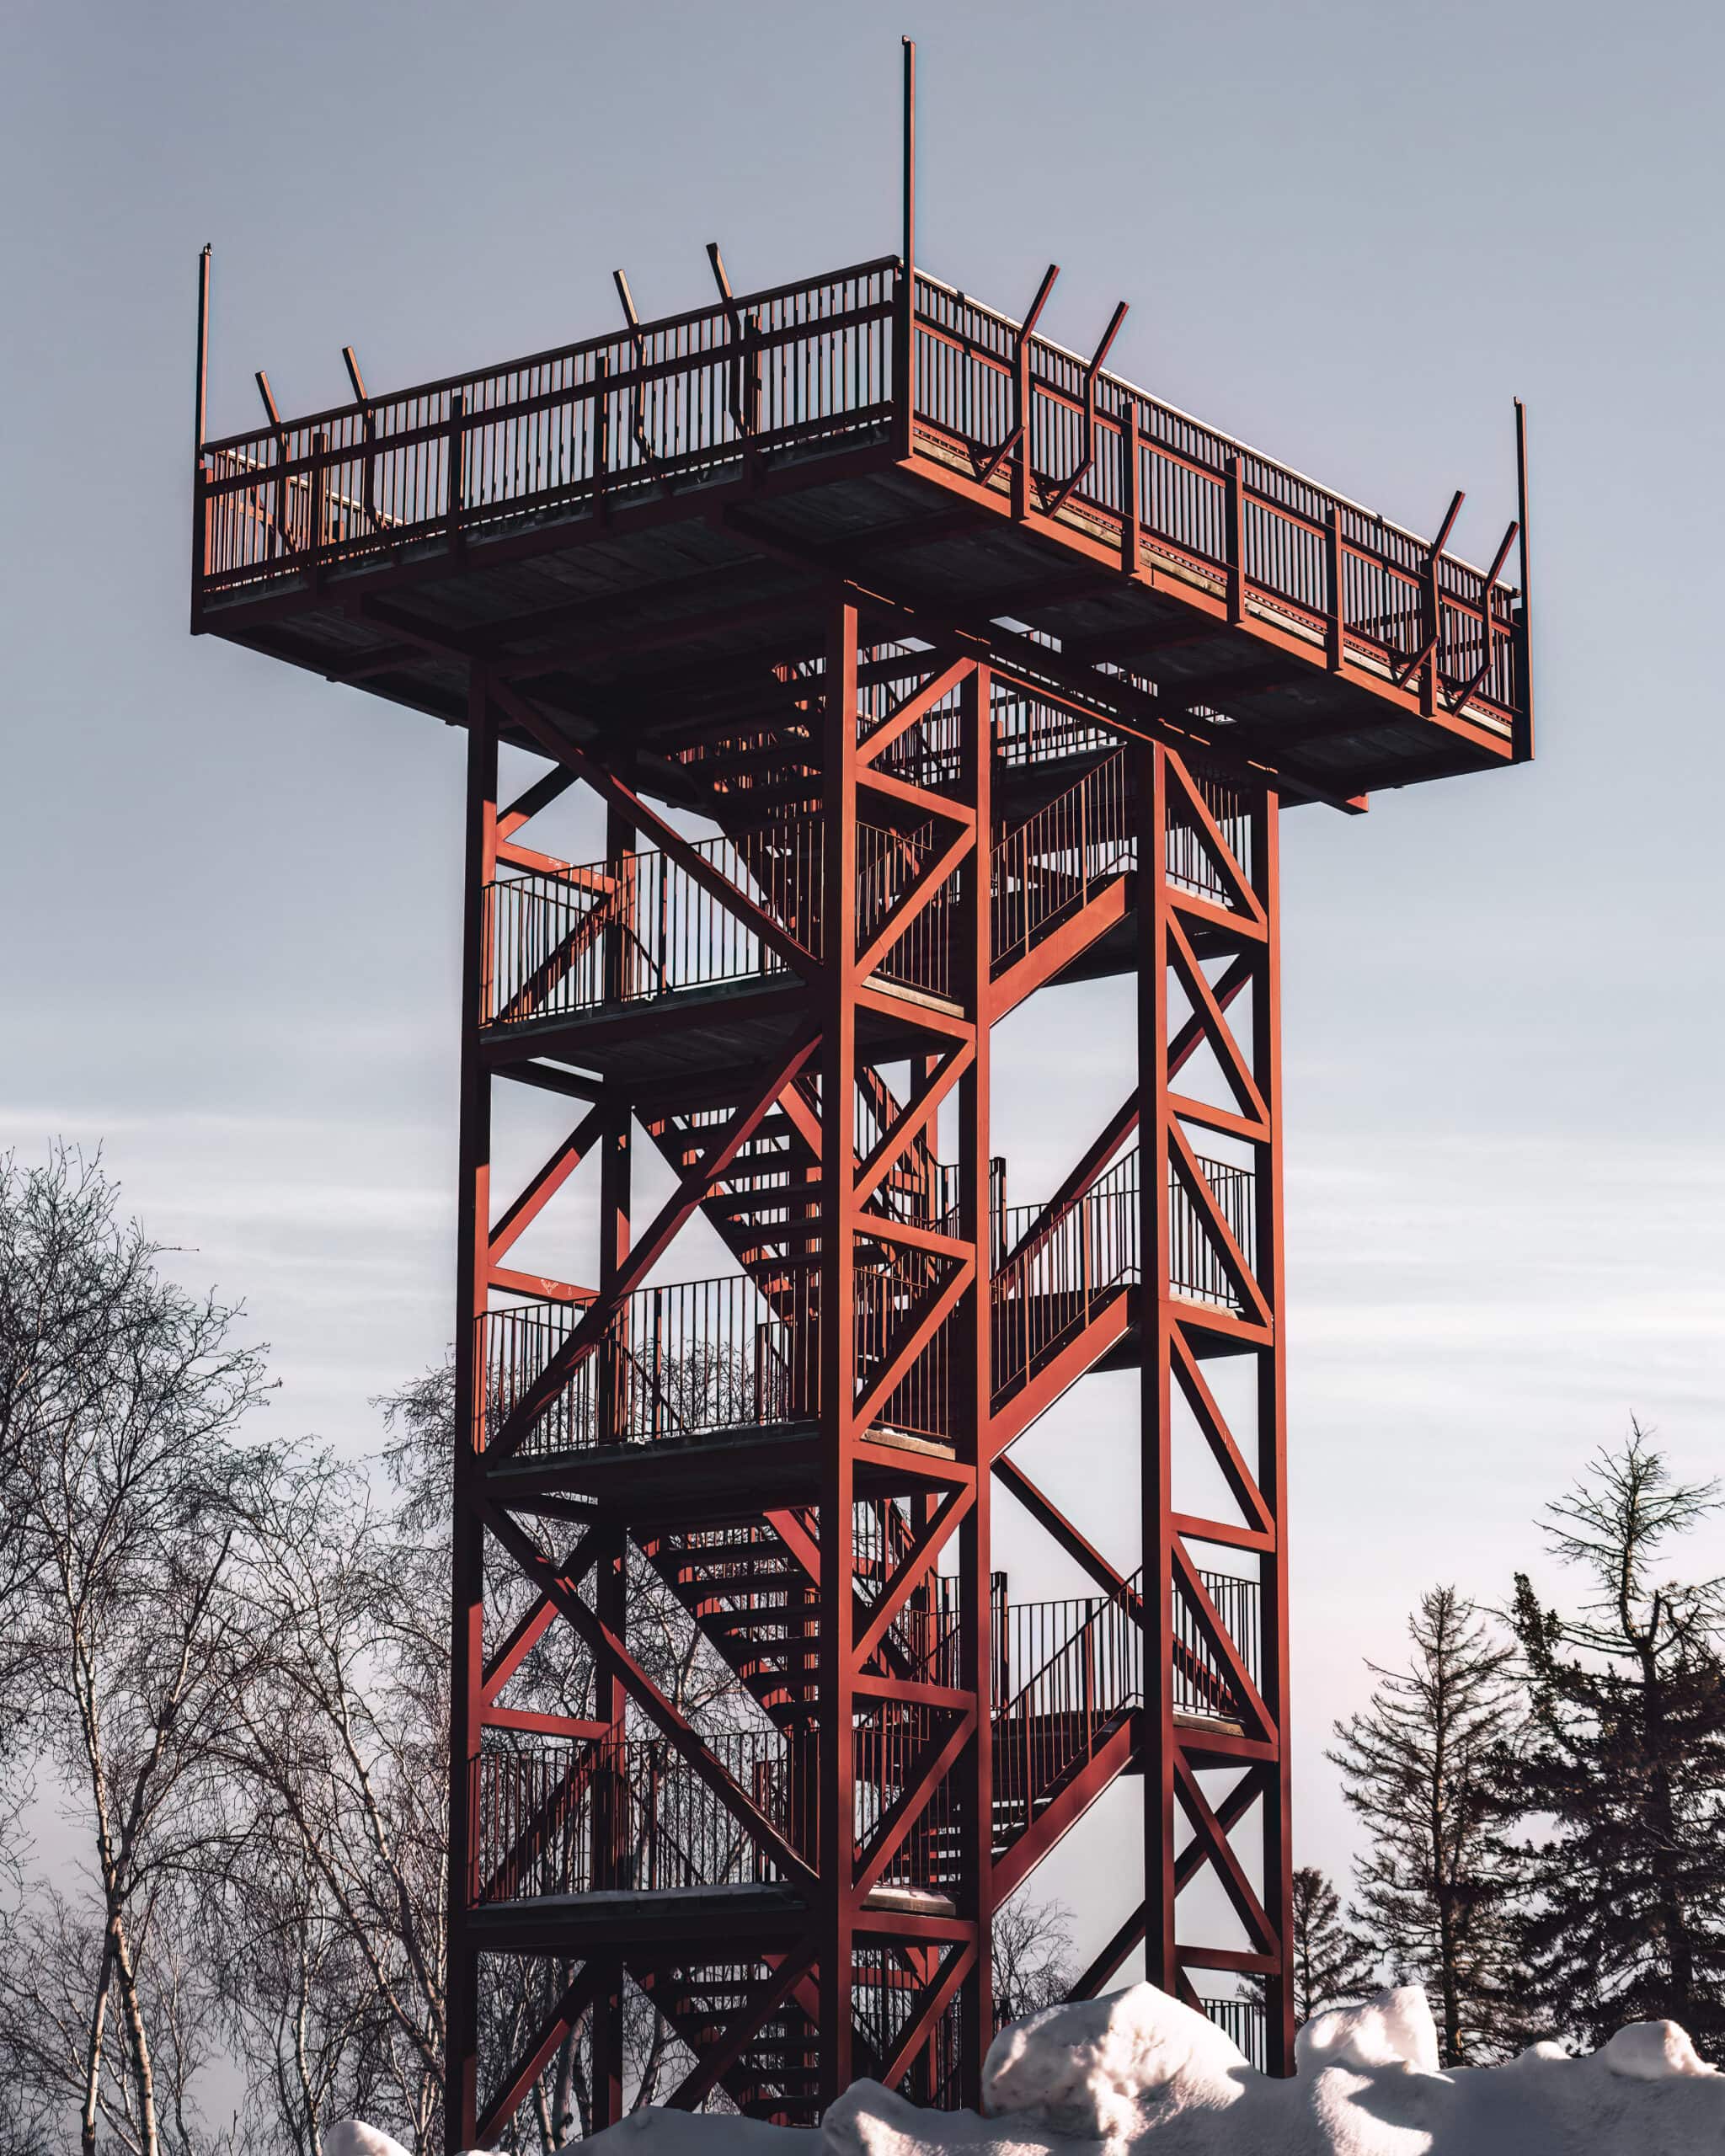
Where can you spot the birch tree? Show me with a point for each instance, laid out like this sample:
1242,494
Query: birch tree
122,1396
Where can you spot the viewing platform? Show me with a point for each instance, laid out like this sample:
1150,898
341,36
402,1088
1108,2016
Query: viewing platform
722,1365
563,1821
652,963
636,529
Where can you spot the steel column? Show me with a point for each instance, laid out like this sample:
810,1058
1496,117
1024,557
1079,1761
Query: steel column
837,1291
467,1555
1238,929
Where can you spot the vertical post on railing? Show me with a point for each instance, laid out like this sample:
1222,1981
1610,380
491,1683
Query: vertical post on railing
317,531
1432,611
454,469
905,314
1130,514
751,399
1234,538
201,507
1522,691
601,430
1020,424
1336,649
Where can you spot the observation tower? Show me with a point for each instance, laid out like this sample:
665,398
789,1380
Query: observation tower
920,668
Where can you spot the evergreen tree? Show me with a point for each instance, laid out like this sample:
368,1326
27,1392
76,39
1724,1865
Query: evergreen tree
1435,1895
1627,1762
1332,1965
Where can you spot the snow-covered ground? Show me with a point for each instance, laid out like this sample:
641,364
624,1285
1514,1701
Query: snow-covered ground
1139,2072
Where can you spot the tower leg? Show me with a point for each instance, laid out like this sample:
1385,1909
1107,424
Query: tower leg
837,1291
1215,1590
974,1392
467,1555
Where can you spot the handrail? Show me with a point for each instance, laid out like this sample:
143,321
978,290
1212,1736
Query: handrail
1048,1289
1271,534
620,1810
694,1358
706,320
637,925
1230,444
651,404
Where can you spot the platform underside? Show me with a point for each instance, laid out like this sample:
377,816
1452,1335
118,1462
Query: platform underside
668,610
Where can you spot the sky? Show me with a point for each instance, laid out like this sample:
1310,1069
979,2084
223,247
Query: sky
1349,233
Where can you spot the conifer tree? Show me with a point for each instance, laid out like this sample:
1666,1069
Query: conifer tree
1332,1965
1434,1894
1627,1762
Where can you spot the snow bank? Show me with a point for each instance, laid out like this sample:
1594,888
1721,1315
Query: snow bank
352,2137
1139,2074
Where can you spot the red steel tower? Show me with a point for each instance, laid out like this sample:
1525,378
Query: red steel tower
920,667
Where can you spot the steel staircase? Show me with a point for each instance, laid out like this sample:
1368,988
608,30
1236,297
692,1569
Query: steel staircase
1067,1686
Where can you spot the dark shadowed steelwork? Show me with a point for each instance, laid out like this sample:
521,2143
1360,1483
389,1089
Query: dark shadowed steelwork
987,672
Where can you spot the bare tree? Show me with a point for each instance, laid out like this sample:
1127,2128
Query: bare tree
122,1396
334,1732
1032,1957
335,1967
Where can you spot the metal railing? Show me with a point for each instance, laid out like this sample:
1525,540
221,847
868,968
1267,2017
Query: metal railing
1189,860
1053,863
1030,733
1067,1670
607,418
1202,1685
644,924
696,1357
1208,500
1244,2021
1055,1278
1049,867
1086,1664
919,1187
674,1363
890,1742
887,864
811,364
887,1296
630,1812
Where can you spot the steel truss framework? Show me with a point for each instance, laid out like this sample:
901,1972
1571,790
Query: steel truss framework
991,673
918,1768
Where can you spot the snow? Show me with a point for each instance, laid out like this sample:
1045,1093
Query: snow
1139,2074
353,2138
